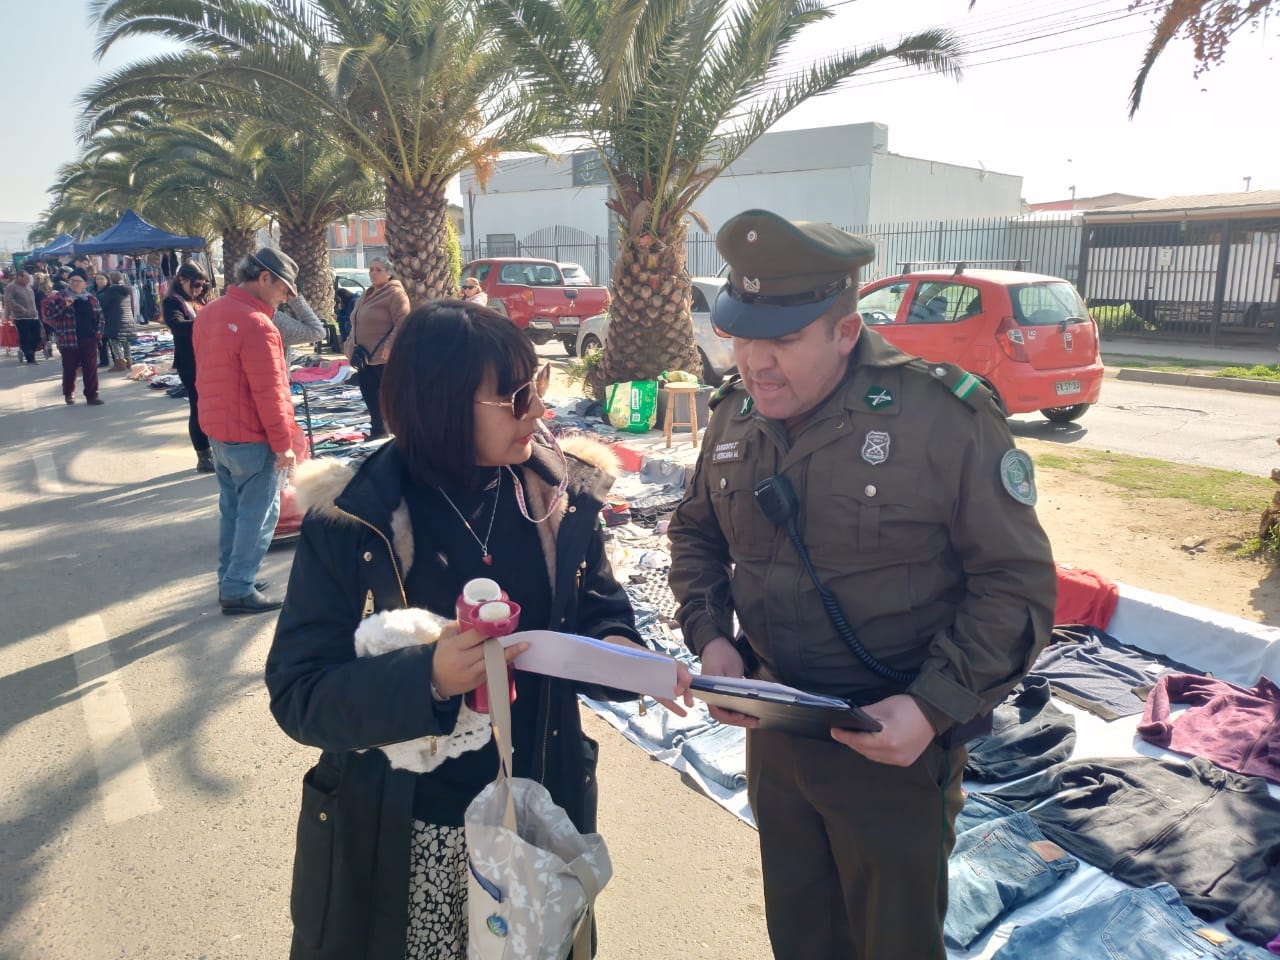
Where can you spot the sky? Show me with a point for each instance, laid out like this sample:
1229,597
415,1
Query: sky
1044,97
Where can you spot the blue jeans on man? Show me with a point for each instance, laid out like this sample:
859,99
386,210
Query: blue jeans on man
248,506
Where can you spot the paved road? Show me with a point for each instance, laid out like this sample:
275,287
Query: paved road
1212,428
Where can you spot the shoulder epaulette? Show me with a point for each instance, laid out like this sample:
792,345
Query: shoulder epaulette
726,388
964,386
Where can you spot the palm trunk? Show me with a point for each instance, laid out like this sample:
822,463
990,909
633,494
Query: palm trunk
650,325
418,241
308,244
237,243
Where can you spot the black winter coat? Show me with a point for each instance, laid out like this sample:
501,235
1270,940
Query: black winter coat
351,870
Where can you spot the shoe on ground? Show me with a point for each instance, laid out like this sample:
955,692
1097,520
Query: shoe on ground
95,402
251,602
204,461
69,399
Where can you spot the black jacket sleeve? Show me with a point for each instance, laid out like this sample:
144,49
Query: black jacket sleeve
322,694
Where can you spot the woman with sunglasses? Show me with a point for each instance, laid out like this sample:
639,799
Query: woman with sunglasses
187,293
473,293
373,324
473,485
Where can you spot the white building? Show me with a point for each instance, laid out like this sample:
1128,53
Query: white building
841,175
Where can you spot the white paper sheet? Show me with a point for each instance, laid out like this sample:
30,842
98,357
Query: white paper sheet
588,660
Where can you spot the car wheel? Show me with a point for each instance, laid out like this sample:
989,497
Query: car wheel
591,342
570,344
1065,414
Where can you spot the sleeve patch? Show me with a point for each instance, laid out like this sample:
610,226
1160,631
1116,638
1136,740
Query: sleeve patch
1017,474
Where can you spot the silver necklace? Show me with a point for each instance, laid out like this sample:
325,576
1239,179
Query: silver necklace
486,557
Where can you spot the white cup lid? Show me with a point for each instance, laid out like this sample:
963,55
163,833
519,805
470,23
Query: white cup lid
481,589
494,612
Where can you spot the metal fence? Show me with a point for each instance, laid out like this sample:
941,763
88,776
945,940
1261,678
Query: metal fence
1216,281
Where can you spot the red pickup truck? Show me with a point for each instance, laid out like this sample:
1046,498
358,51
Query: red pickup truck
534,295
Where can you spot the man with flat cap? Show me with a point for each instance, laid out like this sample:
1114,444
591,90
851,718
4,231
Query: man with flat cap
246,411
916,514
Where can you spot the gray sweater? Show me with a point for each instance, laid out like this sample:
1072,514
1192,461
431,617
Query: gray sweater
298,323
20,301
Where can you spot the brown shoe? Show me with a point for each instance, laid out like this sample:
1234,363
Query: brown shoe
69,399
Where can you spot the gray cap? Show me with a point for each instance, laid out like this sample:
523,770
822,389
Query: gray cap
783,275
280,264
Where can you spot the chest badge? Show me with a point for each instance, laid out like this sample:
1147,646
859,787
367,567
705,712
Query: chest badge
729,451
875,448
878,397
1018,477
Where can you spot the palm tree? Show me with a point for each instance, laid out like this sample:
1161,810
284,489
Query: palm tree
1209,24
301,181
670,93
416,90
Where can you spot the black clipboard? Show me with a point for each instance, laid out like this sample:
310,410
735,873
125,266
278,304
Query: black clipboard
806,715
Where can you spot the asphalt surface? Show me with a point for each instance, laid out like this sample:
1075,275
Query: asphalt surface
147,802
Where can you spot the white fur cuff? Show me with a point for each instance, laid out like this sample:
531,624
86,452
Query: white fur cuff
394,630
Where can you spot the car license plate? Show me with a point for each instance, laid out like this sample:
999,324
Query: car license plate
1066,387
574,321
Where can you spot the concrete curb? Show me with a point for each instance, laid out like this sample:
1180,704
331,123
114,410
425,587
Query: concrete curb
1236,384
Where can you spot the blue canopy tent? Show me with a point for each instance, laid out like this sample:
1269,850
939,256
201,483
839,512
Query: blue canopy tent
60,247
134,235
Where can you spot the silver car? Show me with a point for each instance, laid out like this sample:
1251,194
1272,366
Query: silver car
574,275
716,351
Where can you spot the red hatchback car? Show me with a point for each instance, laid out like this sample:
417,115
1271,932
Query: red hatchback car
1028,335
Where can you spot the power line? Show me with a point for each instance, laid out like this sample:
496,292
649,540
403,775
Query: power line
1027,36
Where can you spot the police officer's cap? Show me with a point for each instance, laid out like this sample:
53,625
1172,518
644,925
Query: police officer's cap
783,275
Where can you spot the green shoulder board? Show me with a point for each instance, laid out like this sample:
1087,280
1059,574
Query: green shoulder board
963,385
726,388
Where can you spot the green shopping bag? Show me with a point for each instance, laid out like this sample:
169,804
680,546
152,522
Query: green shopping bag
632,405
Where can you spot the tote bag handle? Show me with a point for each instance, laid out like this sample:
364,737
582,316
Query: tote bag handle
495,666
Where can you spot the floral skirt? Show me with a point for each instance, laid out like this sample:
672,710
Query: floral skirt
437,894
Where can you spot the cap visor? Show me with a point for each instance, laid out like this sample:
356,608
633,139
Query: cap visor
293,291
756,321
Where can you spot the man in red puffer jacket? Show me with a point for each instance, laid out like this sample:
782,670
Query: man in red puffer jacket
246,412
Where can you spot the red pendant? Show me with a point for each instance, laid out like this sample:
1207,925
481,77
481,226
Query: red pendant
488,560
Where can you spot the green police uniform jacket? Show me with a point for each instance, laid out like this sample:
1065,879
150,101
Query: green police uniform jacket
935,565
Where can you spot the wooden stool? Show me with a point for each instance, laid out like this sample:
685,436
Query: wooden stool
689,391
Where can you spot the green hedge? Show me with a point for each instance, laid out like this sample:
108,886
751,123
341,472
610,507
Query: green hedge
1121,319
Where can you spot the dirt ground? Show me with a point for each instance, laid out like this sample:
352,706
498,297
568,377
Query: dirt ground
1140,541
687,873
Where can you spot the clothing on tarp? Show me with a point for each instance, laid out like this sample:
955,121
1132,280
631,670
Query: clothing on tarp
1093,670
1213,834
1236,727
996,868
1147,924
1084,597
1028,734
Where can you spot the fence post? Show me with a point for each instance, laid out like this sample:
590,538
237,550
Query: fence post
1082,262
1220,285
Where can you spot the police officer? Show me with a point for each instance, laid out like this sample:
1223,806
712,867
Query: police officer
917,514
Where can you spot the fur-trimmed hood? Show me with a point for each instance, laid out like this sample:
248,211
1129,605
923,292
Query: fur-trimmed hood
345,493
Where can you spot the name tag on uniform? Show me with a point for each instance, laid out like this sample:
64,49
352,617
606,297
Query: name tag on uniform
729,451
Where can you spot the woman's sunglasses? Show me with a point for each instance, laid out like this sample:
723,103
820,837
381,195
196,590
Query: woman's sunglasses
521,401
